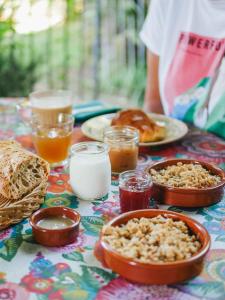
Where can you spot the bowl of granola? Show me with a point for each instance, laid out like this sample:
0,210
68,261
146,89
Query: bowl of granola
187,182
153,246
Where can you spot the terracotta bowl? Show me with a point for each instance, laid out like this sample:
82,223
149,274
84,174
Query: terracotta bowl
55,237
154,273
188,197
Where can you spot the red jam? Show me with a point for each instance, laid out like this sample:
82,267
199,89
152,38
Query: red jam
134,196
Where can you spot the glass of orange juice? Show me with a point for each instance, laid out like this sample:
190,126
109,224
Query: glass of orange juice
52,140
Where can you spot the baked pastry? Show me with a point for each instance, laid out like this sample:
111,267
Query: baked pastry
149,130
20,170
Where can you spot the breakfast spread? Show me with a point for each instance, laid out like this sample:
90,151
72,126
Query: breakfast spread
160,239
185,175
156,239
149,130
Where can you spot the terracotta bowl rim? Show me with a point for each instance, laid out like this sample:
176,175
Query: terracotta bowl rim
61,230
202,252
218,171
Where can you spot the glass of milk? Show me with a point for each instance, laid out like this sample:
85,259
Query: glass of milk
90,170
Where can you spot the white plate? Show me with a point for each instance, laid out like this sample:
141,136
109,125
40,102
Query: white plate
175,129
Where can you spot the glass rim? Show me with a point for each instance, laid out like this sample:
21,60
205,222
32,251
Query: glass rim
120,127
36,120
49,92
115,132
79,146
135,173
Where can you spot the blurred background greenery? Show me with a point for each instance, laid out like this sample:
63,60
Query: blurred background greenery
91,47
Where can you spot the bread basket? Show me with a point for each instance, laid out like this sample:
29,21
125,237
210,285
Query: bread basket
14,212
23,183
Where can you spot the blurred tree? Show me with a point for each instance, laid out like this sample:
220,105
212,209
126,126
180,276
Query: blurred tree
16,77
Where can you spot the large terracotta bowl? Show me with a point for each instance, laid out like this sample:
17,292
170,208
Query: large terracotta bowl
154,273
188,197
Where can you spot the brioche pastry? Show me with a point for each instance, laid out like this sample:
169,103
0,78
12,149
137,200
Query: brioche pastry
149,130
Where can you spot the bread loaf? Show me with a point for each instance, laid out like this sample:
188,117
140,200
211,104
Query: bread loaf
20,171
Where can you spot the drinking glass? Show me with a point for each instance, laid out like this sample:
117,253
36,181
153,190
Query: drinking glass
52,140
46,105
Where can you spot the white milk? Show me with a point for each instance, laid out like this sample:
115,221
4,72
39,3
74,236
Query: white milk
90,170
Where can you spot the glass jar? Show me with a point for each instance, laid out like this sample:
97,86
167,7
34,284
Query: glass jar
123,147
90,170
135,189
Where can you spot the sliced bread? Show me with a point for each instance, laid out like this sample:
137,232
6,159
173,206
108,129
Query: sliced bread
20,170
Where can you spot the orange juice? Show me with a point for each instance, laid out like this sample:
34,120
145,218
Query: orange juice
53,149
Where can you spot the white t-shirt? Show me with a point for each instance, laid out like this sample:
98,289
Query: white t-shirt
189,37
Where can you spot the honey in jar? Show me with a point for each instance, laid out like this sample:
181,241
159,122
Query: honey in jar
123,158
123,147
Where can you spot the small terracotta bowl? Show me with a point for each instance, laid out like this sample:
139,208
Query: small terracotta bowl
55,237
188,197
154,273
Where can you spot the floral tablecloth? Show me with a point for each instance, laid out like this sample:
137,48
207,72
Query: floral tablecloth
30,271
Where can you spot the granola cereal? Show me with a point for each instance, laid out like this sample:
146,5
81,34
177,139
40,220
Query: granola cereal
185,176
157,239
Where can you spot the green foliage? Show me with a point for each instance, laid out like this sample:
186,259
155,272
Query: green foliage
5,27
16,77
63,57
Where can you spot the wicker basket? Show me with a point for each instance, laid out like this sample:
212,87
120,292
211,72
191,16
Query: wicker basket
14,212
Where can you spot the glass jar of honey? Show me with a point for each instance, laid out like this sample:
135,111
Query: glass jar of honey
123,147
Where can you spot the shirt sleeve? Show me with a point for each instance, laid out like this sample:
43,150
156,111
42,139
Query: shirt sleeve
152,30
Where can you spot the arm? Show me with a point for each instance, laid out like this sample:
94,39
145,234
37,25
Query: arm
152,97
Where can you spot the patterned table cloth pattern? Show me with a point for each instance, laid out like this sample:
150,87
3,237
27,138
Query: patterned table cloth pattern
30,271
